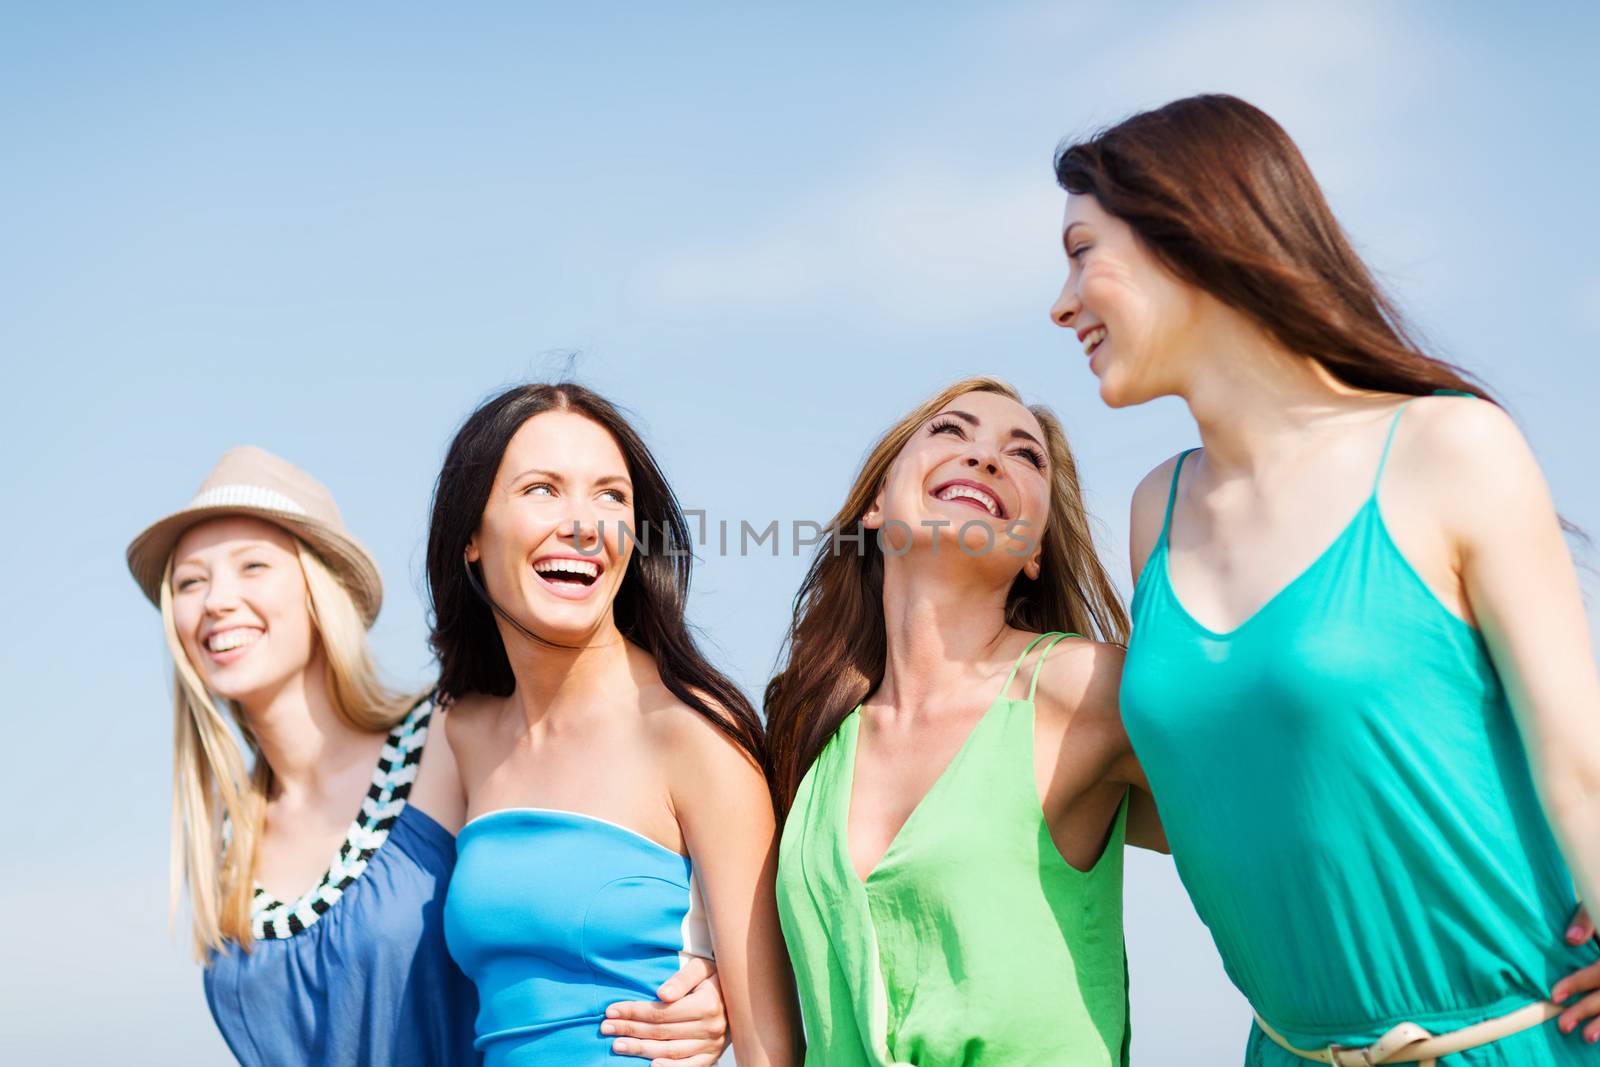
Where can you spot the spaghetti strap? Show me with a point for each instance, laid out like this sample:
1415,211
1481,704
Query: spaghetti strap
1388,442
1015,667
1172,494
1038,664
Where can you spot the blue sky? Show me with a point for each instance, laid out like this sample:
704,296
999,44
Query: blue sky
330,231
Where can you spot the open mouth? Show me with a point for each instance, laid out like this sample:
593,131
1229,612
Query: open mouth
565,572
971,495
1093,339
225,646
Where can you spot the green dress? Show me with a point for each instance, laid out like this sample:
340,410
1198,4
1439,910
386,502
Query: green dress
972,942
1350,807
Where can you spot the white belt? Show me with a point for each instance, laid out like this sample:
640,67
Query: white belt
1410,1043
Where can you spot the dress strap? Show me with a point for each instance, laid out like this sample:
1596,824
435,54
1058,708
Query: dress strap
1172,494
1388,442
1017,666
1038,664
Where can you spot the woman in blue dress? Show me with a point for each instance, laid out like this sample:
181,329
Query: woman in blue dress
265,598
620,817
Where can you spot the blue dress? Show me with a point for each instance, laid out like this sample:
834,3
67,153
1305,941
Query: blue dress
555,916
355,972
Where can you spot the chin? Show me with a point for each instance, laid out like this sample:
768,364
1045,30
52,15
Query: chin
1117,392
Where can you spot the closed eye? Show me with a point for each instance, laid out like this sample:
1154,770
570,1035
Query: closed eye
1032,455
946,426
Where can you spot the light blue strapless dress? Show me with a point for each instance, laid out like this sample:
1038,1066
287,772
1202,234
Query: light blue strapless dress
555,916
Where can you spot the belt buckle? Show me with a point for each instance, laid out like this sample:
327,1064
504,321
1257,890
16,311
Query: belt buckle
1335,1051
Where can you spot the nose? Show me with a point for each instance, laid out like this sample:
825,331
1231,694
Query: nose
222,593
581,530
983,458
1066,305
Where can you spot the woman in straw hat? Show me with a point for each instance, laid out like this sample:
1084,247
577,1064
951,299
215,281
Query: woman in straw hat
620,816
266,598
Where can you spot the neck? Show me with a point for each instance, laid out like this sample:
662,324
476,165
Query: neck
300,733
555,685
940,617
1250,396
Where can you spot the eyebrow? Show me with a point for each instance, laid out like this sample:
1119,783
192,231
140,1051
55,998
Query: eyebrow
973,420
1066,234
558,477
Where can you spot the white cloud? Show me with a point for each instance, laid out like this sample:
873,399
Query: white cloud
929,243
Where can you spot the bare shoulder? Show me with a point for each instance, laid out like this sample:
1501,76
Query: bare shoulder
1148,509
685,736
437,789
711,780
1444,428
1078,684
1468,456
467,720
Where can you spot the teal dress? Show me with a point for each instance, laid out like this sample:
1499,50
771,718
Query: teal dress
1350,806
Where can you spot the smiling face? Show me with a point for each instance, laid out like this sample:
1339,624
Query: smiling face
981,460
551,543
1131,315
239,603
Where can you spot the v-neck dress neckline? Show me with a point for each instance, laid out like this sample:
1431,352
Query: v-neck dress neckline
972,940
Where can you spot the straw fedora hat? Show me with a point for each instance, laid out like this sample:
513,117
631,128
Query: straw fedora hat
254,482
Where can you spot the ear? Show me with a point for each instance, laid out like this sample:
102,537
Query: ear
472,549
873,519
1032,567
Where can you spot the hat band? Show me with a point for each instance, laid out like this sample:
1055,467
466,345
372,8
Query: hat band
246,496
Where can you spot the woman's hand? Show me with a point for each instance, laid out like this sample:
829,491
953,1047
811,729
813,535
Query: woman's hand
686,1026
1580,929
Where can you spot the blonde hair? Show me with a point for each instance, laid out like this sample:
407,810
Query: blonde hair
212,787
836,646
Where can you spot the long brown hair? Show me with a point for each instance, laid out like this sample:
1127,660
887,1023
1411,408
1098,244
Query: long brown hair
837,644
1218,191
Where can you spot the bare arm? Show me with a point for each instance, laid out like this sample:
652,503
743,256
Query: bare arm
1079,687
1523,592
721,801
437,788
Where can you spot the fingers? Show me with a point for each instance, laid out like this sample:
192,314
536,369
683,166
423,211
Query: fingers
668,1053
694,971
697,1015
1586,1008
1581,927
1580,981
1585,981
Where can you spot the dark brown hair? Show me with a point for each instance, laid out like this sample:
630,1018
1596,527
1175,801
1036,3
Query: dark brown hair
650,605
837,644
1218,191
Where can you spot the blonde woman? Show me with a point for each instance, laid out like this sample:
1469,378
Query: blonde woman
265,598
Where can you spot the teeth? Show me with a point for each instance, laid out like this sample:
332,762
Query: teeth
228,640
568,566
1093,338
989,503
